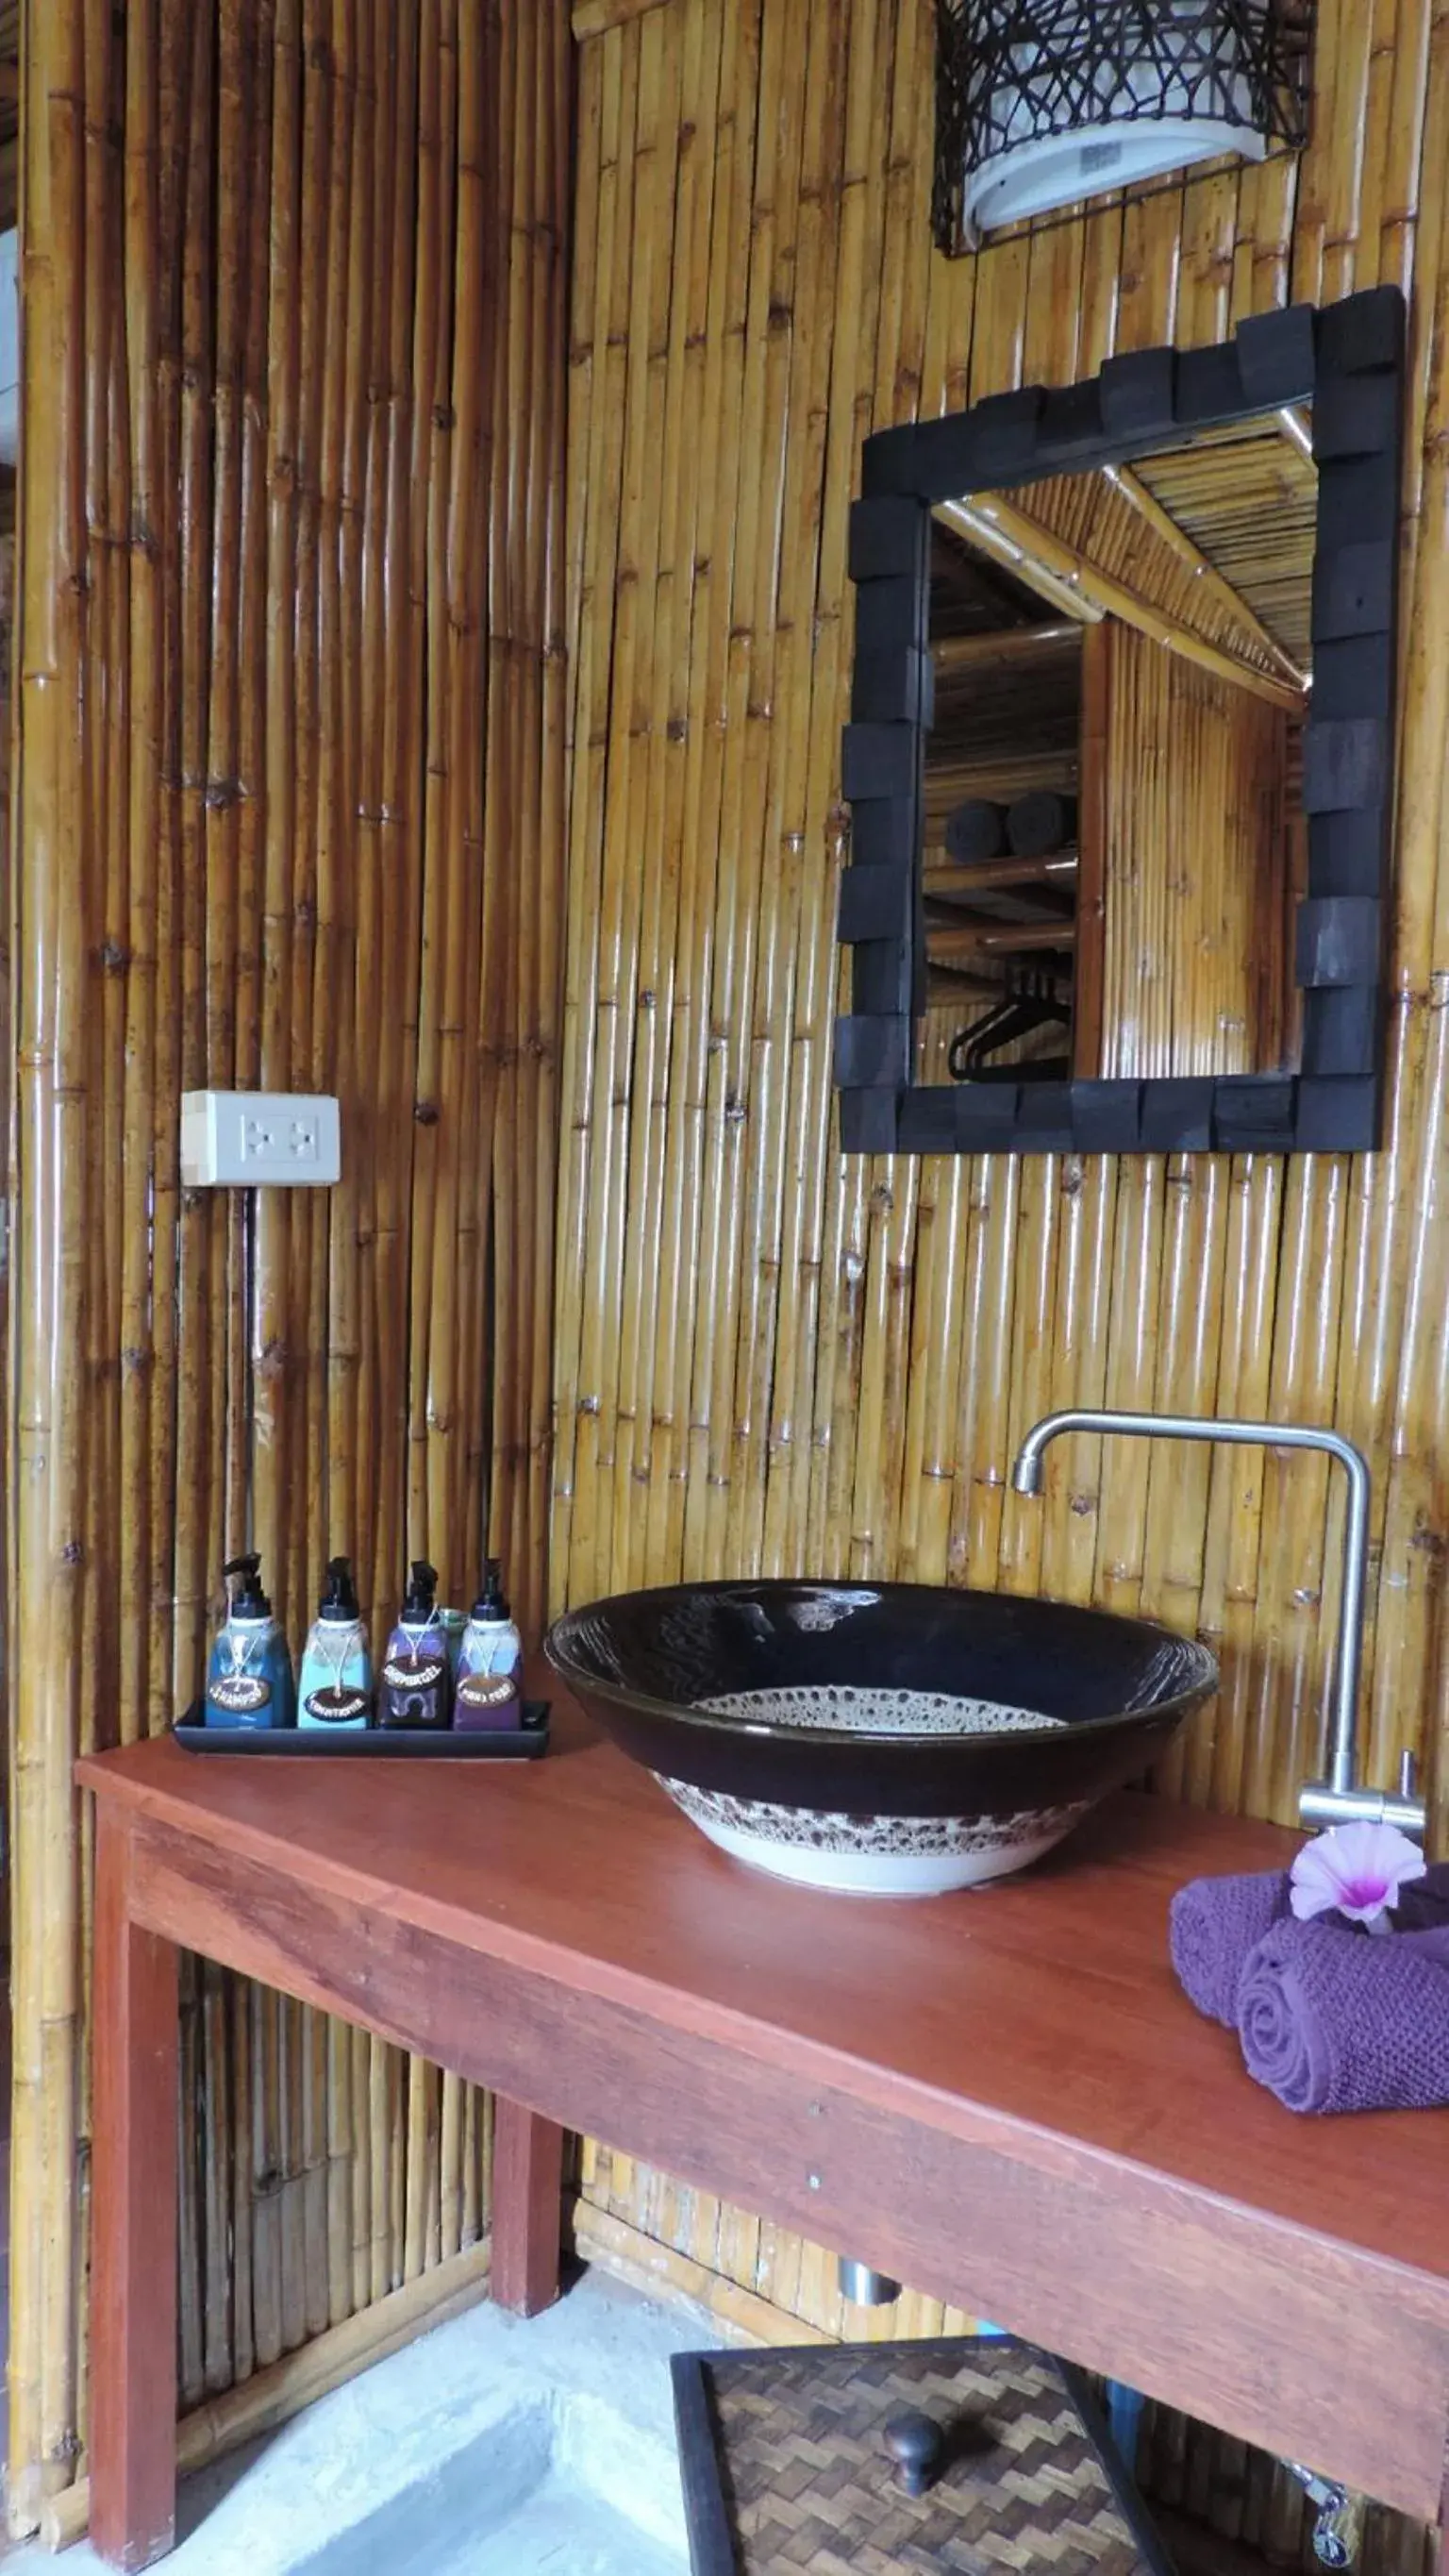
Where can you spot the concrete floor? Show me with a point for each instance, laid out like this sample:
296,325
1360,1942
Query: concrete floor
489,2448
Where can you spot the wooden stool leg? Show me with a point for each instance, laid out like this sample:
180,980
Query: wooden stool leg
527,2188
133,2225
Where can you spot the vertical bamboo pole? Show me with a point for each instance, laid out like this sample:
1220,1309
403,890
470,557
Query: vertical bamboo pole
47,1308
199,1451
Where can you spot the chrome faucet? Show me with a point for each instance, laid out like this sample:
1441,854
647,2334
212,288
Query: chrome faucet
1337,1800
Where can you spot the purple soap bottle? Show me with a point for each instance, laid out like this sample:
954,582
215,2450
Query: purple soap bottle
415,1686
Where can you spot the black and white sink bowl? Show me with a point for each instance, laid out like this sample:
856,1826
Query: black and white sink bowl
888,1739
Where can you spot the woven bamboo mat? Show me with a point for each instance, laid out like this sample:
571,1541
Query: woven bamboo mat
809,2487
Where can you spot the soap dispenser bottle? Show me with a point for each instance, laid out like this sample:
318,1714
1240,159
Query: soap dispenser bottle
336,1684
416,1687
490,1661
249,1679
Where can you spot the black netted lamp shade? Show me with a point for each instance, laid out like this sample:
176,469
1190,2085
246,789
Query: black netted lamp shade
1042,102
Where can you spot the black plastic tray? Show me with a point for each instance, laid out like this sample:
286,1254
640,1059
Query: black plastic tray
508,1744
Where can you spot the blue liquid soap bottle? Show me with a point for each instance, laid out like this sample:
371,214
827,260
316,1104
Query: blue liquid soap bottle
249,1679
415,1688
336,1684
490,1662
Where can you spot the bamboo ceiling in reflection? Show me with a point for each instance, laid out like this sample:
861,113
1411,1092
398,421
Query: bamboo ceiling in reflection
1212,540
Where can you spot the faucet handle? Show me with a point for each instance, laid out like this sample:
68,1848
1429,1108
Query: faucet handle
1338,2517
1408,1771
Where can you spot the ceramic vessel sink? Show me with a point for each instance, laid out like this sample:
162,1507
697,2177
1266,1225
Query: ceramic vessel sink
880,1739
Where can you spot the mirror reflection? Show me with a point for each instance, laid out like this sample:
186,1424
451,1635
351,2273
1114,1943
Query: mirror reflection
1114,839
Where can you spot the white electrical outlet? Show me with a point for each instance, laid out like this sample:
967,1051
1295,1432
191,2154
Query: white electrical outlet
259,1139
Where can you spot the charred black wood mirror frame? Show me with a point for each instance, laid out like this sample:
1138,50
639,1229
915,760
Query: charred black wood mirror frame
1347,360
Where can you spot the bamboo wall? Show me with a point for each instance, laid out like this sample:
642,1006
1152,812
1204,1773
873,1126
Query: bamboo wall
773,1359
289,814
1197,961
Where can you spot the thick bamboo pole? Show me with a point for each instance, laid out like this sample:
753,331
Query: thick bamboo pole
47,1309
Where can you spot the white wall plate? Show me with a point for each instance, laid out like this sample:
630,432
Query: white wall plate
260,1139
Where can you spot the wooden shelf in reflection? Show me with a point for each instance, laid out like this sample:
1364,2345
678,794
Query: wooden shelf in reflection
947,881
1002,939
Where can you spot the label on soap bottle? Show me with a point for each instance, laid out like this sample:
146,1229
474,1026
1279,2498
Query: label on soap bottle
415,1691
240,1694
336,1707
487,1702
487,1690
402,1673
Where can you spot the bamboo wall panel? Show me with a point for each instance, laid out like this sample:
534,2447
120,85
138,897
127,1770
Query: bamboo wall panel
7,681
290,814
1197,900
770,1358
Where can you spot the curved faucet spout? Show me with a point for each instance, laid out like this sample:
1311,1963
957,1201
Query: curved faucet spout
1338,1799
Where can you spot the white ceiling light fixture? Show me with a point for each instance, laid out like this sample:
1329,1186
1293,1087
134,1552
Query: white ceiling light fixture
1040,103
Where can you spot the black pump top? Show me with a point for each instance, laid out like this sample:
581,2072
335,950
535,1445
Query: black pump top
339,1593
248,1600
491,1602
422,1591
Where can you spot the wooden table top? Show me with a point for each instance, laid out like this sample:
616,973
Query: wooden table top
1040,2013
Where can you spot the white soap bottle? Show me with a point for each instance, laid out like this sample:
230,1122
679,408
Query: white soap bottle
491,1652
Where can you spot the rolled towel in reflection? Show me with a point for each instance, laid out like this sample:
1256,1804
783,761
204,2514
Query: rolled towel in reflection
1213,1925
1335,2020
976,831
1040,823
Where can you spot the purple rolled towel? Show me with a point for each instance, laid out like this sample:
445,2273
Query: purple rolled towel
1424,1902
1213,1925
1335,2020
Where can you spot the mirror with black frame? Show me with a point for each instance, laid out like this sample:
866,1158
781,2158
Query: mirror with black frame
1113,840
1120,757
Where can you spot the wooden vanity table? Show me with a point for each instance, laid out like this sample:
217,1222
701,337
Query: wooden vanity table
999,2097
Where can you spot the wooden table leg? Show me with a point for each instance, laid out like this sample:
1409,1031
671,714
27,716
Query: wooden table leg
133,2224
527,2192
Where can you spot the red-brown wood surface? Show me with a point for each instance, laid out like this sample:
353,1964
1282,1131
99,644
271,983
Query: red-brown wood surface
133,2215
1000,2096
528,2158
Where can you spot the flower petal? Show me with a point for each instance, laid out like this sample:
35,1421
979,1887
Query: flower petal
1315,1887
1356,1870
